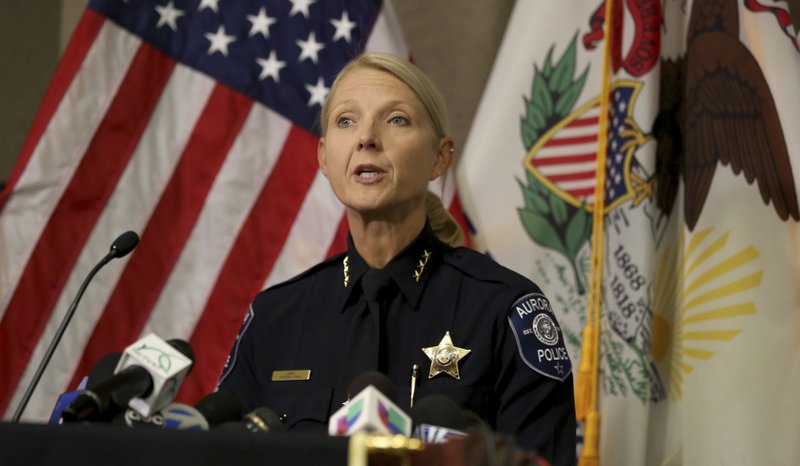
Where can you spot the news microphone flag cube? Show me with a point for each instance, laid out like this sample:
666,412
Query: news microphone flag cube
166,365
370,411
436,434
180,416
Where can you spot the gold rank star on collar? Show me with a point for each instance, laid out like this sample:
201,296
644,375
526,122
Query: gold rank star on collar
445,357
423,261
346,270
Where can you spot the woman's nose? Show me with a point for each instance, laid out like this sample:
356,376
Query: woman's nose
369,138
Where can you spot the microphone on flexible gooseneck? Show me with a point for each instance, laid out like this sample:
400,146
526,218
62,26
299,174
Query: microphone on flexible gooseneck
121,246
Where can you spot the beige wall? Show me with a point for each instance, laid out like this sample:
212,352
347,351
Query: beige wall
454,41
29,40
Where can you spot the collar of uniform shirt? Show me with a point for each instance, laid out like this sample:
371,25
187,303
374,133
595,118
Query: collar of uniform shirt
403,267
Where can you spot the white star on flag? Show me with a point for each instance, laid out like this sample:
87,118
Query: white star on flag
270,67
300,6
310,48
168,15
219,41
343,27
260,23
213,4
318,92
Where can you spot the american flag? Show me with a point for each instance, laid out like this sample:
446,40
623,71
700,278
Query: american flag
567,157
193,123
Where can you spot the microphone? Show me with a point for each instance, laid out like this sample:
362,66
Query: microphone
121,246
438,419
180,416
146,379
224,409
263,420
379,380
103,369
220,407
167,363
370,410
214,409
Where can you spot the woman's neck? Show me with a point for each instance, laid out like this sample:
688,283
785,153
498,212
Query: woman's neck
378,241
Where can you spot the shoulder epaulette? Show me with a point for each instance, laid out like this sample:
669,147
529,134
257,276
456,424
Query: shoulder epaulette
483,268
333,260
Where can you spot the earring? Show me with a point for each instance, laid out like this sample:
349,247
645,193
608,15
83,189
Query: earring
452,149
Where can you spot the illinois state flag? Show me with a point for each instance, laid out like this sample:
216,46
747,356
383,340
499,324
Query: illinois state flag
192,122
699,354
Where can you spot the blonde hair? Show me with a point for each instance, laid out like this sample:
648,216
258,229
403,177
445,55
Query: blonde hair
406,72
442,223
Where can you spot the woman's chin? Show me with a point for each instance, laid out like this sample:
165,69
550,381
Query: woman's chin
369,209
385,211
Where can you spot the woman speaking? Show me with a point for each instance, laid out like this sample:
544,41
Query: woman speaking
401,298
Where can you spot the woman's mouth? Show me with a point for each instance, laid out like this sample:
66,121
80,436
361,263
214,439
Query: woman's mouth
368,172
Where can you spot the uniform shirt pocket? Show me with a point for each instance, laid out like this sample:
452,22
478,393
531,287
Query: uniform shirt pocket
300,408
475,399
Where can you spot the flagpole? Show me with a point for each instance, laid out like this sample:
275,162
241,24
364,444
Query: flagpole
587,390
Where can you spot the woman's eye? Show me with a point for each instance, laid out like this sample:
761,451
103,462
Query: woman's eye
398,120
344,122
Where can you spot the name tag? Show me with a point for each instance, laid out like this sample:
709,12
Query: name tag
287,376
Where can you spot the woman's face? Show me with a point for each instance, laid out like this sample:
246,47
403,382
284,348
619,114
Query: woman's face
380,150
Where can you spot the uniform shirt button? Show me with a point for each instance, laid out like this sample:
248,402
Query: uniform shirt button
283,418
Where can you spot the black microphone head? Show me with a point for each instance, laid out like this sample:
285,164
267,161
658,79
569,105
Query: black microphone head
377,380
439,410
103,369
219,407
263,420
107,398
183,347
124,244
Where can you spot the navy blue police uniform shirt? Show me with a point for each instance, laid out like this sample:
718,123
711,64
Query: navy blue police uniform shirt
516,376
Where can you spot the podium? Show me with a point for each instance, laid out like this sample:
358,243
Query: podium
103,444
86,445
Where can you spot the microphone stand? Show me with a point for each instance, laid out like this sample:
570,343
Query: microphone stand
119,248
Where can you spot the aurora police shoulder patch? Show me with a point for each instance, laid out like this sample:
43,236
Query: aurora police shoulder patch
539,338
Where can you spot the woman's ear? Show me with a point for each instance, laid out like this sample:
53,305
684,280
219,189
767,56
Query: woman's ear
444,157
323,163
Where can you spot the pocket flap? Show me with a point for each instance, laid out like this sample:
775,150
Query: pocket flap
297,405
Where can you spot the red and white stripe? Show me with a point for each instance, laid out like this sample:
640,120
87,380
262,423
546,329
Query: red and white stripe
569,158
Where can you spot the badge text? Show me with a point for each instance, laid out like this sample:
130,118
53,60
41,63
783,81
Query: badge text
533,305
